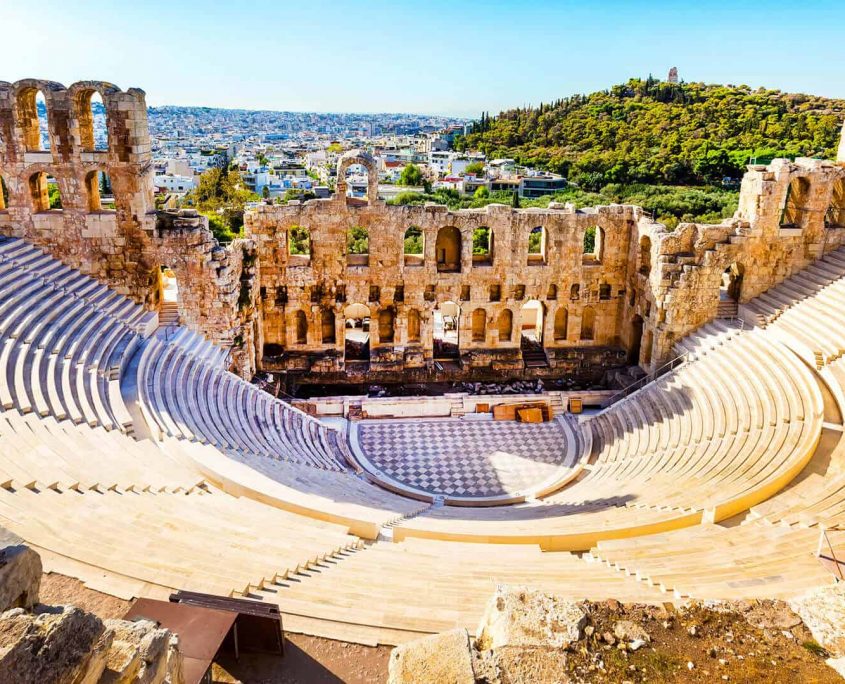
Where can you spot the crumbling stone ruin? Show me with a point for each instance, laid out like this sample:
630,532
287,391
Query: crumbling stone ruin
286,296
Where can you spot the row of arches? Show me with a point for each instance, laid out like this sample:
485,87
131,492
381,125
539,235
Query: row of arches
45,192
32,110
448,247
529,324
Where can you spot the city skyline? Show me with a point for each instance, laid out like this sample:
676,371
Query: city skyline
374,57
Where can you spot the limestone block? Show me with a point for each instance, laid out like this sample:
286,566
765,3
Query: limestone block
521,617
20,572
823,612
142,653
58,645
438,659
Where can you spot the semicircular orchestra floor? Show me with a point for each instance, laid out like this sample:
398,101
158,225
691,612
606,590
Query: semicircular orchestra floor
464,458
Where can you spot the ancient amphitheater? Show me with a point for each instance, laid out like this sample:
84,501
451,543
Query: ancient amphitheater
136,456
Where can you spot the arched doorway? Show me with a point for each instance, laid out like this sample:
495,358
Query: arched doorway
448,250
531,320
447,323
356,333
505,325
730,290
168,297
636,340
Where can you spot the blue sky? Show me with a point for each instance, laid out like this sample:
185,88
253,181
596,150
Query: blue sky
426,56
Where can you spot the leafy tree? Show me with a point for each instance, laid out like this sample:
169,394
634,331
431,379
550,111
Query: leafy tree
265,191
535,241
297,194
515,200
221,196
413,241
358,240
590,240
483,192
54,196
299,240
335,148
481,241
475,168
411,176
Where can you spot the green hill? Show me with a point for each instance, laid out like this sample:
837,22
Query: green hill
646,131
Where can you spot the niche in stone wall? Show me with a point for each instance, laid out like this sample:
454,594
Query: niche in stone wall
448,250
413,325
561,324
327,325
835,215
479,325
505,325
645,255
588,323
300,327
386,331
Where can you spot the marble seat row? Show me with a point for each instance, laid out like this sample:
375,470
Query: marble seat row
64,340
189,397
716,436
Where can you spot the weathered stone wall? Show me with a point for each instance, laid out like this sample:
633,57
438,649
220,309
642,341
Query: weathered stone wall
127,246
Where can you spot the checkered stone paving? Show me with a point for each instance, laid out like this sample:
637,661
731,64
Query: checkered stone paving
465,458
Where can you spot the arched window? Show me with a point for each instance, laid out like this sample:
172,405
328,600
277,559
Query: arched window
300,322
299,245
593,245
645,255
413,325
561,324
537,246
446,333
357,246
414,246
551,293
588,323
835,216
356,335
479,325
91,119
448,250
44,192
797,195
33,116
575,292
385,325
505,325
4,195
531,322
327,324
482,246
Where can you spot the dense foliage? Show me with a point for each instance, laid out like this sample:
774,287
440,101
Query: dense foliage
667,204
221,196
414,241
646,131
299,241
357,241
411,175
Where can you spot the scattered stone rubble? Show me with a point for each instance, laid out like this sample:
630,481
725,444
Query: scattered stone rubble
527,636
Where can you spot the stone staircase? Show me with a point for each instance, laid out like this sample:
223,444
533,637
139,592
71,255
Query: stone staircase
168,314
533,354
728,308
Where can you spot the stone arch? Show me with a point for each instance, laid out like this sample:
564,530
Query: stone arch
386,327
794,203
447,248
730,286
413,246
645,255
362,158
835,215
327,326
561,324
593,244
588,323
537,246
83,96
4,195
482,246
97,187
505,325
551,293
356,335
29,96
300,327
357,246
299,245
447,328
532,319
575,292
39,192
636,340
414,325
479,325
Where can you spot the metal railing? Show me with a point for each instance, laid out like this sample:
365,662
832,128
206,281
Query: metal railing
823,538
646,379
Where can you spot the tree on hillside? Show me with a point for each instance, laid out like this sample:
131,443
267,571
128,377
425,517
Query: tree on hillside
475,168
221,196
